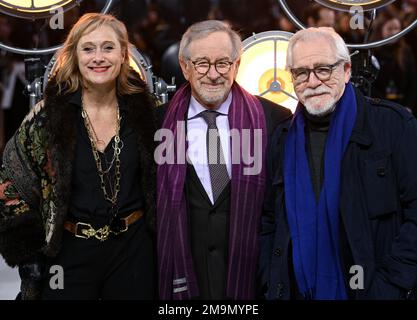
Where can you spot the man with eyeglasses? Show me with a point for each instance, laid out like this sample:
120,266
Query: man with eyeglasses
346,225
209,209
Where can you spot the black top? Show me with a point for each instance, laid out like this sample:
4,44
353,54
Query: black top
317,128
87,202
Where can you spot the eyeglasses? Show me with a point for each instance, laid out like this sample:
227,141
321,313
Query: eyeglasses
323,72
203,66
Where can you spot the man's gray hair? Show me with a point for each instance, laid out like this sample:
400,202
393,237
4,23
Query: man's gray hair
326,33
202,29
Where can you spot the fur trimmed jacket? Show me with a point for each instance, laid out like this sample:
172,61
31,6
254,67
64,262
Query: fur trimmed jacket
35,180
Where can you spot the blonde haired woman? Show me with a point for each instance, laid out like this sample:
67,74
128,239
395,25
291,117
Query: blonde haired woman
77,183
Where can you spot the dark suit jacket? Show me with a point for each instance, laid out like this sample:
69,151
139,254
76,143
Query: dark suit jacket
274,115
378,205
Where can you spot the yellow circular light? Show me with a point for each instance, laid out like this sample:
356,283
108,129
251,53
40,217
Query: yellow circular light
262,68
34,8
284,79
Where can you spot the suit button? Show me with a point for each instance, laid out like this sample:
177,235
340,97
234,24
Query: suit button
212,212
380,172
278,252
212,249
280,290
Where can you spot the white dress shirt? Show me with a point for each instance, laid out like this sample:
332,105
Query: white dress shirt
196,136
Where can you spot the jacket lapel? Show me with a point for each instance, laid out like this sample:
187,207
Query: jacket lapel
61,129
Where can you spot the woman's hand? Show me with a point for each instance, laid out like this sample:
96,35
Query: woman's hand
32,276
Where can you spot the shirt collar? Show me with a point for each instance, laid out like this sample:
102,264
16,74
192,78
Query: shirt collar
75,98
196,108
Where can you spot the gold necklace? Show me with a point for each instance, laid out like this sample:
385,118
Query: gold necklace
116,157
96,139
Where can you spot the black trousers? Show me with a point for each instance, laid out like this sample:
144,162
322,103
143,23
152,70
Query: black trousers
121,267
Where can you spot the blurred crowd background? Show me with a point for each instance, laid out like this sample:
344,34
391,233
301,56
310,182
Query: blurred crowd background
156,27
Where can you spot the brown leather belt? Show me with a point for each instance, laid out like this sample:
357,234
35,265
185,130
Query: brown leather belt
86,231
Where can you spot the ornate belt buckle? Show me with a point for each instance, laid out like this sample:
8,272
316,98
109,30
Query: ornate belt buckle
84,233
102,233
88,231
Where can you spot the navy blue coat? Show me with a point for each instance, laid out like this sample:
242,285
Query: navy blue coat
378,205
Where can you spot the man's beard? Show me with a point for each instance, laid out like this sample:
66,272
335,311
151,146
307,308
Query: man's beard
324,109
216,98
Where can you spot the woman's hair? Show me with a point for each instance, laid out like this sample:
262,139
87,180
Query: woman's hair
203,29
67,74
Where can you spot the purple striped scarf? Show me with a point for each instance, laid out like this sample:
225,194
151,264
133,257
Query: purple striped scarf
177,279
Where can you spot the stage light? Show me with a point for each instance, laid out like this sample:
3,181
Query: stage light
346,5
142,67
136,61
11,7
391,39
262,68
34,9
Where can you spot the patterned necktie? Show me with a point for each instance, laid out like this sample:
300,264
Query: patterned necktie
217,165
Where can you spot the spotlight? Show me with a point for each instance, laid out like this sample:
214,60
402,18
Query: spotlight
262,68
34,9
142,67
345,5
11,7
